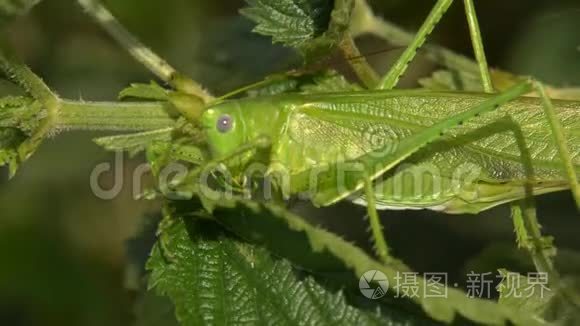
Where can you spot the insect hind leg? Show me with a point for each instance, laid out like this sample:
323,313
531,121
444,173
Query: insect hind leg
560,141
391,79
380,244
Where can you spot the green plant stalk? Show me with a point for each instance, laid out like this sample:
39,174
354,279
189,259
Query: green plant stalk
142,53
137,116
358,62
33,85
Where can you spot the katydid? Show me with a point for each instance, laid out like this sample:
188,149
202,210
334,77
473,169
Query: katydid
369,145
309,131
517,150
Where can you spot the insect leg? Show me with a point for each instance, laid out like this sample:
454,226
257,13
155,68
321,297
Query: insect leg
381,248
540,248
477,43
398,69
529,236
524,213
259,143
560,140
391,79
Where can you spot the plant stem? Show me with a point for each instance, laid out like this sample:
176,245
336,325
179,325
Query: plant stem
140,52
33,85
359,63
137,116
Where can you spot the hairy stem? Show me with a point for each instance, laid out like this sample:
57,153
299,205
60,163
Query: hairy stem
139,51
114,115
33,85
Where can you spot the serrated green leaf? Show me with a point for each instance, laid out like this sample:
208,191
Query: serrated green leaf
10,140
530,295
215,279
255,221
17,119
516,291
19,112
274,85
290,22
467,81
313,27
151,92
11,8
443,80
180,152
330,81
135,142
320,82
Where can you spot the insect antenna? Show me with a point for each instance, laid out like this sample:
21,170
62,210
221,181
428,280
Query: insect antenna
335,61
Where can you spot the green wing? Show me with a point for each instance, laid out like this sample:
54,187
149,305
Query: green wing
334,128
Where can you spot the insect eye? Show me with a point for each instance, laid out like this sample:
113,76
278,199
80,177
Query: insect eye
224,123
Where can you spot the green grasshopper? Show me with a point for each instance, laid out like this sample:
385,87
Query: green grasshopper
370,146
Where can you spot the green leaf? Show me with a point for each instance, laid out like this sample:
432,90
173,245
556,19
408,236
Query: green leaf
329,81
152,92
255,221
309,83
135,142
290,22
443,80
10,139
179,152
530,295
11,8
273,85
516,291
214,278
19,112
313,27
18,117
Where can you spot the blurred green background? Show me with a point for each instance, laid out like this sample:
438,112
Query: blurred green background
63,249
